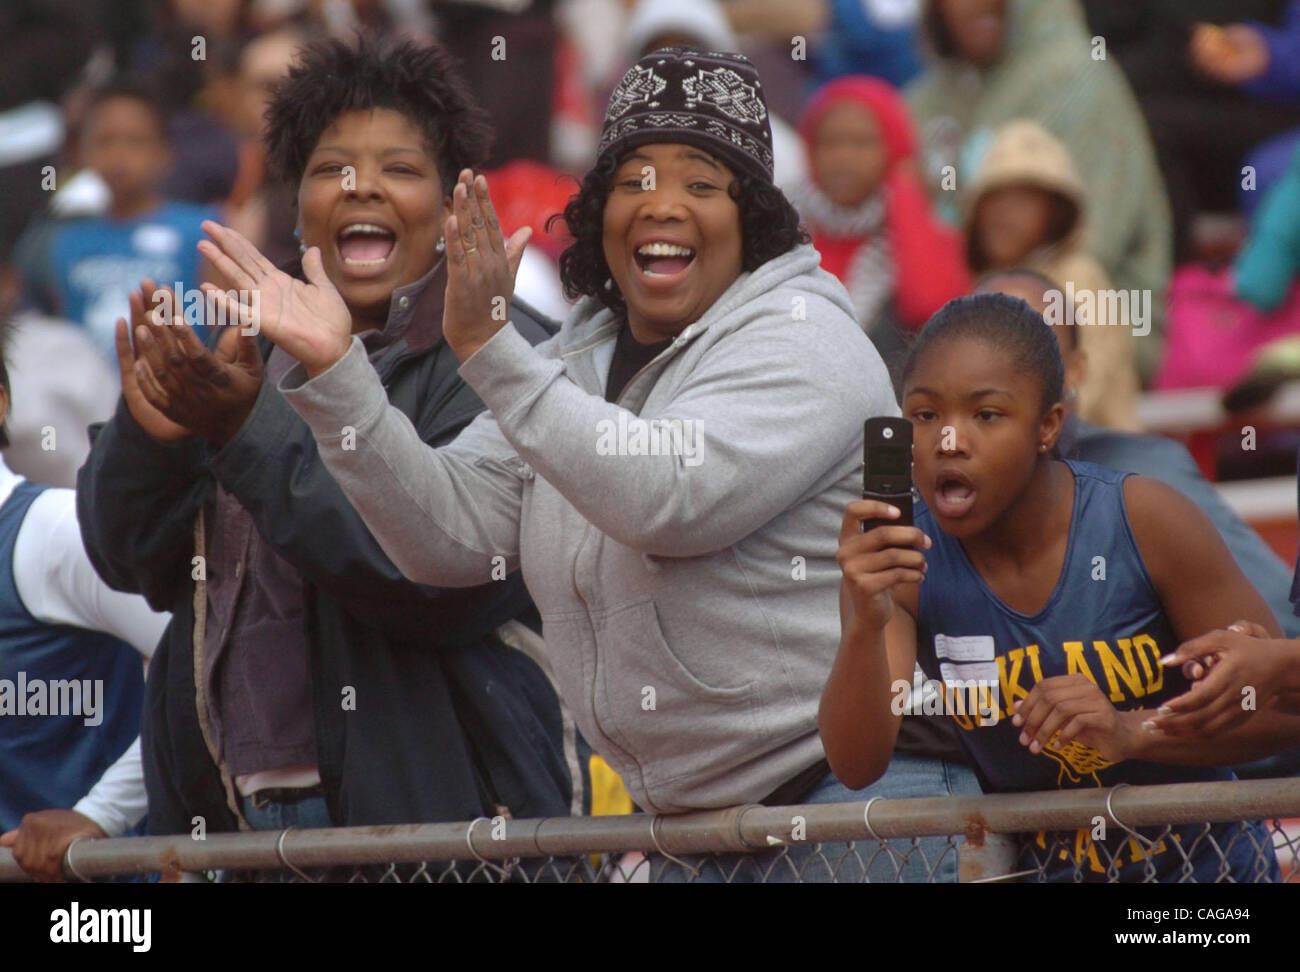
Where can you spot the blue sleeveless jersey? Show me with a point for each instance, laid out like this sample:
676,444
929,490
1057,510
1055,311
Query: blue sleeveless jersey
54,680
1104,620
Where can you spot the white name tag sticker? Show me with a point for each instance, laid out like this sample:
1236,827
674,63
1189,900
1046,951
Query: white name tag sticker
968,648
984,673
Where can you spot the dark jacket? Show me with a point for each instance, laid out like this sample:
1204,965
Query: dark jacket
422,713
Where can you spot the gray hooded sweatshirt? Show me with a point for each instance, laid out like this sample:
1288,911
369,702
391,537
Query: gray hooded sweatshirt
679,543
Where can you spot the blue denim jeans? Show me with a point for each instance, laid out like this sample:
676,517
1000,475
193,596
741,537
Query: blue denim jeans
306,814
924,859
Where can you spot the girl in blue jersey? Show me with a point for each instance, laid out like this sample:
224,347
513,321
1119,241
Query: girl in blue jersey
1052,590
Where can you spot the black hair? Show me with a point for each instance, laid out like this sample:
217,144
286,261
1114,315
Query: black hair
422,82
1064,217
136,88
6,327
769,226
987,284
1001,322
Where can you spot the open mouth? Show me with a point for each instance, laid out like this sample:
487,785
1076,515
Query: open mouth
365,245
660,260
954,494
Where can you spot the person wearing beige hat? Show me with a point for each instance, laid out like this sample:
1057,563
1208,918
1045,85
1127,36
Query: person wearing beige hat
1027,207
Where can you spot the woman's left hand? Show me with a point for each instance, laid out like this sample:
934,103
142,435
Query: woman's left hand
1071,709
481,267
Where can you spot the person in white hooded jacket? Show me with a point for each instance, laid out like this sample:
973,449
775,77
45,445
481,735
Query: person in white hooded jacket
668,470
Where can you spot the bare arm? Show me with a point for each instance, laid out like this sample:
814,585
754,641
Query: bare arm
1202,589
878,602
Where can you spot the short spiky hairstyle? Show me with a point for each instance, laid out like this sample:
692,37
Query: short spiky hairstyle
769,226
331,77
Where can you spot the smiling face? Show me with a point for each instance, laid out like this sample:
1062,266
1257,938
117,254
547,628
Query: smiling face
848,154
977,423
378,224
674,248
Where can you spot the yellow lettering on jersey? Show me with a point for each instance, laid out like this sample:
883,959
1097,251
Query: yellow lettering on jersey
1146,667
1083,845
1031,652
1128,673
1075,662
1144,643
1137,852
1010,684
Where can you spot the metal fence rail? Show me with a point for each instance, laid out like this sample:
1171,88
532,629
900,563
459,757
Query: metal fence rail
890,840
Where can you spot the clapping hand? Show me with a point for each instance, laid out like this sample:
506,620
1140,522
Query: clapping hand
207,393
481,267
134,370
307,319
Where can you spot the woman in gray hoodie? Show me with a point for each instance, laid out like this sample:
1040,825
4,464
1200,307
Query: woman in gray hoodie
669,470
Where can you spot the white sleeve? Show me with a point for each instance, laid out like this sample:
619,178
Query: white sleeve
58,585
117,802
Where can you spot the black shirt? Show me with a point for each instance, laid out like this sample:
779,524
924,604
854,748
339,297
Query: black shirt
630,356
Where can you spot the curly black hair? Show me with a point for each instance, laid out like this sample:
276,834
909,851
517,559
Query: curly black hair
331,77
769,226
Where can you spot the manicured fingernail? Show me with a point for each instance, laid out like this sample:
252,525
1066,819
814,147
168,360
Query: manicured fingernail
1024,738
1149,726
1169,659
928,542
1017,720
1164,710
894,511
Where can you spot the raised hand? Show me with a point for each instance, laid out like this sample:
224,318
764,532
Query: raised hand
874,562
210,394
308,319
481,267
153,420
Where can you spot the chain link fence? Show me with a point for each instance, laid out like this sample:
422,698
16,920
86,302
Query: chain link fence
1188,832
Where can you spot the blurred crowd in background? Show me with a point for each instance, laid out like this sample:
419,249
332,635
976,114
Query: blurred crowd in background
1145,149
1141,157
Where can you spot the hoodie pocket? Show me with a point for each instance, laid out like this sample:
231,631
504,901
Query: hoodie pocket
673,721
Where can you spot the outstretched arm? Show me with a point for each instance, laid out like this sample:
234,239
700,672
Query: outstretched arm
858,716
